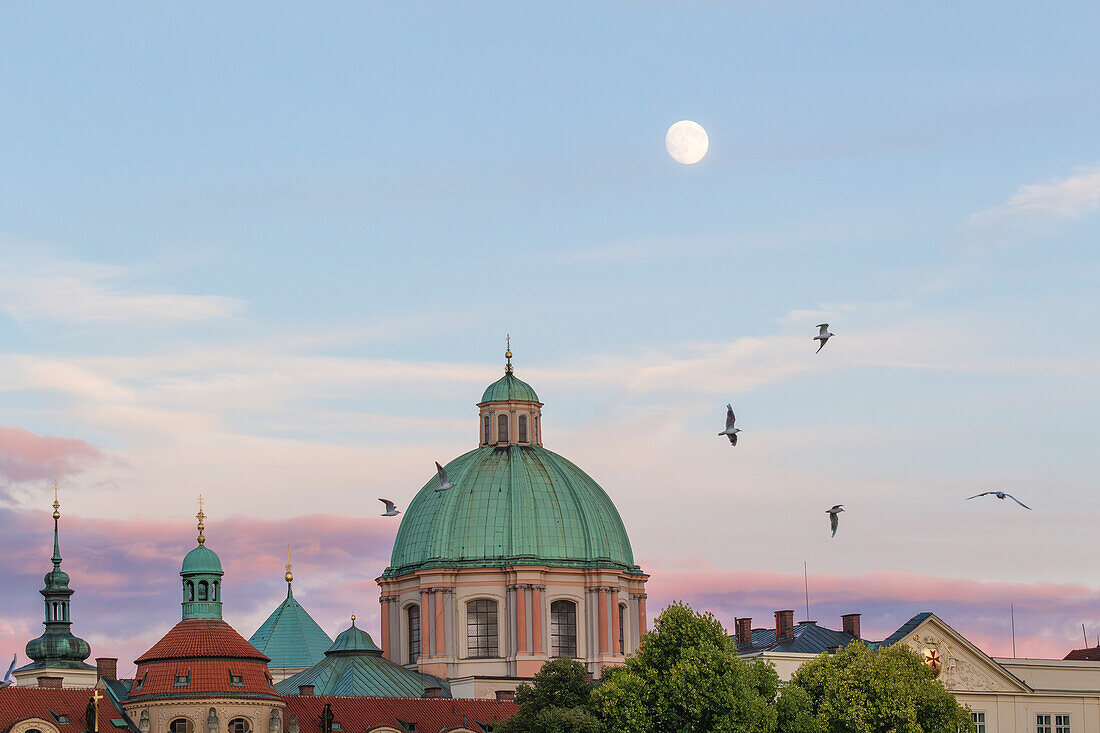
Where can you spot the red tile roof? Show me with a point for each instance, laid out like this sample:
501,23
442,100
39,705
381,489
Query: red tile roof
198,637
205,677
21,703
1092,654
362,714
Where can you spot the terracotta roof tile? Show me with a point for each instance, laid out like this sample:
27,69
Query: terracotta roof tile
204,677
196,637
21,703
360,714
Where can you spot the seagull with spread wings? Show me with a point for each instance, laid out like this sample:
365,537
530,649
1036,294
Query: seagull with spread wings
834,518
823,335
391,508
730,431
1000,495
7,681
444,481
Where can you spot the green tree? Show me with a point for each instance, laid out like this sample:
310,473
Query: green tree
856,690
686,677
557,702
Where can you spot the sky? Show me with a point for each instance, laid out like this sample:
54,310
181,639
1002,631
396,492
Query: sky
269,253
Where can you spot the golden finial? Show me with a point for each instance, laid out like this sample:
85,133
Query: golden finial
289,575
353,619
201,516
56,503
508,354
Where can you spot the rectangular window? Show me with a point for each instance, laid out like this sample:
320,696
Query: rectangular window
486,421
979,721
1061,724
182,680
481,629
563,629
1042,724
414,631
523,428
236,679
622,630
502,429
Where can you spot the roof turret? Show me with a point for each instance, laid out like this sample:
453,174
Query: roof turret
509,388
57,648
290,636
202,577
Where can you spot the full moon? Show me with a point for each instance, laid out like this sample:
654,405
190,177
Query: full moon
687,142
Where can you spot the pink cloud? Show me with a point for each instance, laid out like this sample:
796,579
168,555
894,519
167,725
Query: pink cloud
25,456
125,574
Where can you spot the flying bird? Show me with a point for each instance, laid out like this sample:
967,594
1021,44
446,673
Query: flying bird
7,681
834,519
822,335
391,508
999,495
730,431
444,482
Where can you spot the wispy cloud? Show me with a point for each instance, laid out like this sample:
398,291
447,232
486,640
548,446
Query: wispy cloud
25,456
41,289
1069,197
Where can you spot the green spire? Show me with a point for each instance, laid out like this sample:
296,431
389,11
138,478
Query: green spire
57,647
290,637
202,577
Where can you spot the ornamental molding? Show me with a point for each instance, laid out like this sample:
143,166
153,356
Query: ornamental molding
639,596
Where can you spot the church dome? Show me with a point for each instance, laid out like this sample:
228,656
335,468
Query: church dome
201,560
511,505
509,388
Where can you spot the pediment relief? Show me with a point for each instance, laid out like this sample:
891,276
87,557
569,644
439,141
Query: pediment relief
962,666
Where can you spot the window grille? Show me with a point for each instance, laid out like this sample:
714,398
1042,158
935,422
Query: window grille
481,629
979,721
502,429
1042,724
414,633
523,428
563,629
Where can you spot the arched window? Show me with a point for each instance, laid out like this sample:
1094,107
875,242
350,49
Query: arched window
622,630
486,422
190,591
523,428
217,590
181,725
563,629
239,725
414,633
536,429
54,616
481,629
64,611
204,590
502,429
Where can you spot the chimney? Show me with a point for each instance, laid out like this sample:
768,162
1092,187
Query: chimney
506,695
850,622
106,668
305,690
51,682
784,625
743,631
433,692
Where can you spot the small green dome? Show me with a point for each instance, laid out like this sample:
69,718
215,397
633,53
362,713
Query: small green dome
56,579
201,560
512,505
509,388
354,640
59,649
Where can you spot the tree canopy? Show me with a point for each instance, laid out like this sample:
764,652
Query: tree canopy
686,677
889,690
556,702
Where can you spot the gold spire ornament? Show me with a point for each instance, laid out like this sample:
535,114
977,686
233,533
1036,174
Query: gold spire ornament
289,575
56,503
508,354
201,516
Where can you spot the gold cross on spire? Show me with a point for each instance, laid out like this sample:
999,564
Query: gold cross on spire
289,575
201,516
56,503
508,354
96,697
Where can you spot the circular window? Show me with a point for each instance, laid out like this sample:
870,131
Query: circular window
239,725
181,725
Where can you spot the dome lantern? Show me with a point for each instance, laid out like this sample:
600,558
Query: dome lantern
510,411
202,577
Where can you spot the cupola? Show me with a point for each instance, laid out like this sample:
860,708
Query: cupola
202,577
510,411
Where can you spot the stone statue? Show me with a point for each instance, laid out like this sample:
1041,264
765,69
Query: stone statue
292,724
274,723
143,722
212,721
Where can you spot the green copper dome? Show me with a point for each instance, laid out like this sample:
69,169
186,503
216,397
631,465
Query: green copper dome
515,504
354,667
201,560
509,388
290,637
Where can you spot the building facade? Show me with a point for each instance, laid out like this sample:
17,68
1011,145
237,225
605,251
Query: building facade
525,559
